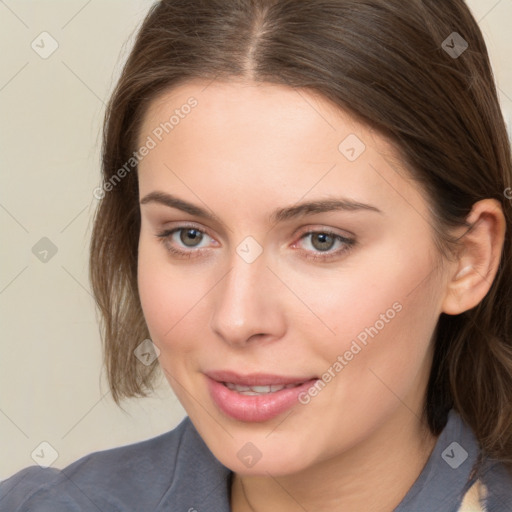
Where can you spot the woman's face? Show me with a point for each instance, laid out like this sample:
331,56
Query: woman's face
280,245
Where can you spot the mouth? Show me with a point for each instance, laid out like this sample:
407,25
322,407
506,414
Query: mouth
255,397
257,390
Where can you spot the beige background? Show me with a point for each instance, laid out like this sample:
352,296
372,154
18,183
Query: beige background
52,389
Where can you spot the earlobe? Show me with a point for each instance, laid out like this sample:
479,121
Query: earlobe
478,259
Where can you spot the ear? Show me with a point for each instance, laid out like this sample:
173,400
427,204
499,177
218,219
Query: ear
478,260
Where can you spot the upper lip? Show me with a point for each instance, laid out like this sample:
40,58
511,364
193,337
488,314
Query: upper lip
255,379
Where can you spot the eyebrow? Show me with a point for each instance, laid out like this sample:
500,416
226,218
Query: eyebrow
320,206
279,215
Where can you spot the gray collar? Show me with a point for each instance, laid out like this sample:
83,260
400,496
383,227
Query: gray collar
448,473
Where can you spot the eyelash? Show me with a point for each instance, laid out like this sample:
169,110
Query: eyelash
348,244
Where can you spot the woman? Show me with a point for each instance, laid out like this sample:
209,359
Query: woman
304,219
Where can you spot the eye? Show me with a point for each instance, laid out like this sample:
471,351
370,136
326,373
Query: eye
190,237
324,245
185,241
322,241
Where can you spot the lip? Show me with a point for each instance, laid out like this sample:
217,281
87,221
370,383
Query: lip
258,408
255,379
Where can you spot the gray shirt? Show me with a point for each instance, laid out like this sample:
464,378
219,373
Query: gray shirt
177,472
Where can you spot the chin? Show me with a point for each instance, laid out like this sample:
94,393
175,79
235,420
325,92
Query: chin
261,454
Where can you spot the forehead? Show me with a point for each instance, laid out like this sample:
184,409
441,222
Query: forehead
263,111
268,140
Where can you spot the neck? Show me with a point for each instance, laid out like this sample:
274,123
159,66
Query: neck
374,476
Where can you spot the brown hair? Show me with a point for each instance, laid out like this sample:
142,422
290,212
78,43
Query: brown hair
389,64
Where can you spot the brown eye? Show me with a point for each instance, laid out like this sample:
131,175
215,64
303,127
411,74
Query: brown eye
322,241
191,237
323,246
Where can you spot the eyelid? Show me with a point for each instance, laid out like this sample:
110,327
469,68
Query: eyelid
321,228
177,226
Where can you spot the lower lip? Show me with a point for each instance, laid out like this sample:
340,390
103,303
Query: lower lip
255,408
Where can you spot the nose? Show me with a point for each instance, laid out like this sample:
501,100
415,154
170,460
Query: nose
247,304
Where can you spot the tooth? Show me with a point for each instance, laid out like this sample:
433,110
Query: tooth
261,389
258,390
236,387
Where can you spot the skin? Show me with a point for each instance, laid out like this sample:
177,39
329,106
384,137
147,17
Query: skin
243,152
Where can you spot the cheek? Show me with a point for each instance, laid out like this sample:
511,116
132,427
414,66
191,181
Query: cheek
364,295
381,308
384,318
170,297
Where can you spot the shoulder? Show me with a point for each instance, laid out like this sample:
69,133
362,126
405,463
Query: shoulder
489,483
496,482
132,477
